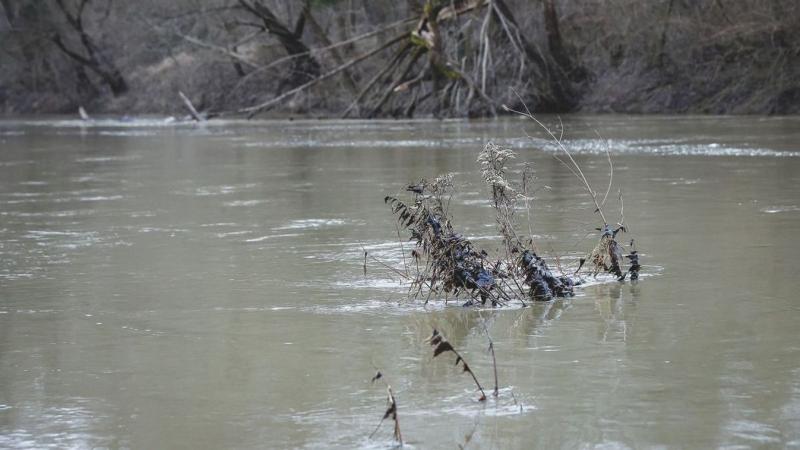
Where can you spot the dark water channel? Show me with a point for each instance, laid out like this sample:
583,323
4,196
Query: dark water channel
174,286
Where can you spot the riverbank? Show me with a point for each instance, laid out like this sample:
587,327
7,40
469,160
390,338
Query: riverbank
375,59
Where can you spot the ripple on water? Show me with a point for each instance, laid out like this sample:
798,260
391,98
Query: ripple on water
70,426
507,403
103,159
382,307
254,202
780,209
271,236
652,147
100,198
389,252
750,430
664,147
217,190
302,224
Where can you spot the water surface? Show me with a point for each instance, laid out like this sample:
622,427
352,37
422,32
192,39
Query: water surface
201,286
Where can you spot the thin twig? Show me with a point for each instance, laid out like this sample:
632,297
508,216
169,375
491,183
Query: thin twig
253,110
577,167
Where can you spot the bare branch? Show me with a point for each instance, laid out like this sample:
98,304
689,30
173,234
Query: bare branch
253,110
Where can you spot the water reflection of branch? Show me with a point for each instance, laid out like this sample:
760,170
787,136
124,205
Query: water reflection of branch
496,391
611,307
541,314
468,437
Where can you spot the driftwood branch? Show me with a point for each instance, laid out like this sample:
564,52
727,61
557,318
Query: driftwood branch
481,93
217,48
253,110
395,60
397,81
195,115
336,45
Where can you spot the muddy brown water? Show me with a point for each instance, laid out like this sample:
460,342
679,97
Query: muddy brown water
182,286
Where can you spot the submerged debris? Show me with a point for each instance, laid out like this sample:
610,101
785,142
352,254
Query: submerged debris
607,256
543,284
449,265
634,259
452,265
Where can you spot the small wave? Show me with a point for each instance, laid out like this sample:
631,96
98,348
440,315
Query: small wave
233,233
366,143
661,147
100,159
780,209
271,236
237,203
210,191
373,283
649,147
16,163
43,233
100,198
382,307
162,230
301,224
219,224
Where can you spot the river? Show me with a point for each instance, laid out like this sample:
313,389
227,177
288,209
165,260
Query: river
178,286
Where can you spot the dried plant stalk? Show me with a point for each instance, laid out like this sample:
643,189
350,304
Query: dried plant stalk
440,345
391,410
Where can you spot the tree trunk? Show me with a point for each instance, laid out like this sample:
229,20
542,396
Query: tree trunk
93,60
556,46
349,83
23,43
556,92
111,76
10,12
436,57
304,68
84,86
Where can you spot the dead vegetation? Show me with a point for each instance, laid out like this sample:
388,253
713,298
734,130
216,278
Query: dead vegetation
391,410
448,265
440,345
376,58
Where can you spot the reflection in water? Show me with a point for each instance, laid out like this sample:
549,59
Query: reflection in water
609,303
203,287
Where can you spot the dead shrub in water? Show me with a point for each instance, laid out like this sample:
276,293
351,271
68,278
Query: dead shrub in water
451,264
607,254
448,264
